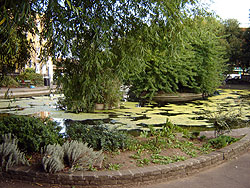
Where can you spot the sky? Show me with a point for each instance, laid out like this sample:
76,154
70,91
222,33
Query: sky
237,9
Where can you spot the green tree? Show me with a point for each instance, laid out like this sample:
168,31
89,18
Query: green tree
16,19
209,49
190,61
245,49
234,39
101,43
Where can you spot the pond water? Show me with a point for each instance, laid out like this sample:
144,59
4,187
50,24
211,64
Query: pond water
133,117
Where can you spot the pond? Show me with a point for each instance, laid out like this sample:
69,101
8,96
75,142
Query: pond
133,117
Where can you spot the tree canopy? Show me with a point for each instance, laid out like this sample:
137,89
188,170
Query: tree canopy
99,45
16,19
233,35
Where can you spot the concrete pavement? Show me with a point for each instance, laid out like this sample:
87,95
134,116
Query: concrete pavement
232,174
26,91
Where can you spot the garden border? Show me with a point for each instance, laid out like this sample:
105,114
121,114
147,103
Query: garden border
130,177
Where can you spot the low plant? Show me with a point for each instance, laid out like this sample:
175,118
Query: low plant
99,137
73,154
32,133
222,141
79,156
195,135
223,120
142,162
114,166
10,155
203,137
53,158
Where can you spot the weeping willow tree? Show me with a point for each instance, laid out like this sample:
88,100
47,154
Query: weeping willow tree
209,48
101,43
16,19
188,55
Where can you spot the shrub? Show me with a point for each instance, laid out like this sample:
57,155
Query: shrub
8,81
99,137
53,158
79,156
223,120
74,154
32,133
222,141
30,74
10,155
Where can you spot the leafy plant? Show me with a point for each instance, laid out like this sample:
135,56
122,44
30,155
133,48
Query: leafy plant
142,162
30,74
98,136
10,155
223,120
195,134
203,137
32,133
222,141
114,166
8,81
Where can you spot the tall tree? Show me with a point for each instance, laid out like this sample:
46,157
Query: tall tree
245,50
16,19
192,59
233,34
96,39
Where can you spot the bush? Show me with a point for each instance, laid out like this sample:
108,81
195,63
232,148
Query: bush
79,156
74,154
10,155
32,133
53,158
222,141
8,81
30,74
100,137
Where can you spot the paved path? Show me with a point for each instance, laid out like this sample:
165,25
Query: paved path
232,174
26,92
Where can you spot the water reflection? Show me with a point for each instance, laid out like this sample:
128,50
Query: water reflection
133,117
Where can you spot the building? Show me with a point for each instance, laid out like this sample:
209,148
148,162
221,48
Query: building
41,67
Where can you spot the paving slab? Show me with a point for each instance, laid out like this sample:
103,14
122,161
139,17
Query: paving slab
232,174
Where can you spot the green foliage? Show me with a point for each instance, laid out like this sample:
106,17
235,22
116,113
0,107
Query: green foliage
161,159
114,166
14,49
223,120
116,42
10,155
203,137
192,61
195,134
98,136
245,49
233,34
8,81
30,74
222,141
32,133
209,53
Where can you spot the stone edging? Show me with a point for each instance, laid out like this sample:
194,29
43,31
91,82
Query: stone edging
131,177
